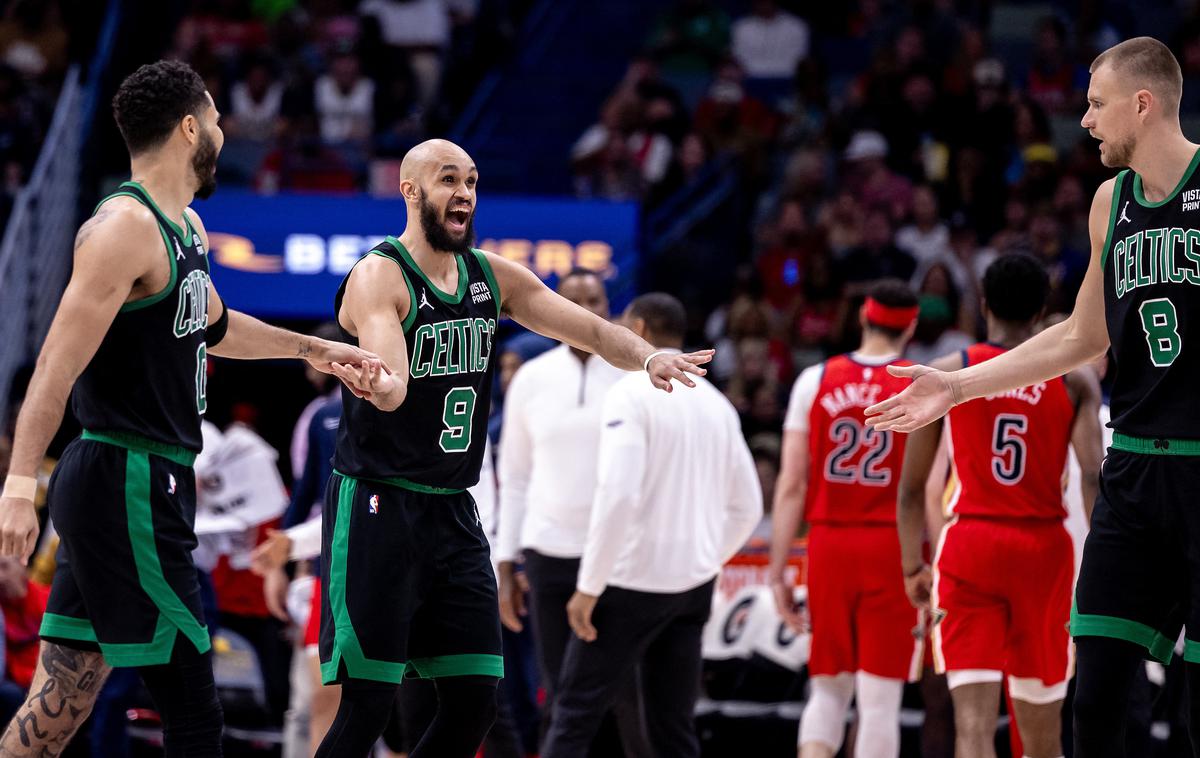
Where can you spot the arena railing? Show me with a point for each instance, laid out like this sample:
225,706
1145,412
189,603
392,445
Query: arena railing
35,251
35,254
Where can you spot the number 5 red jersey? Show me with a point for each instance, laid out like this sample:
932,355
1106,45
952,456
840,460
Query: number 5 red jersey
853,469
1008,452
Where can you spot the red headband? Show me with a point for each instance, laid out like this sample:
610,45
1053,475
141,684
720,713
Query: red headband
893,318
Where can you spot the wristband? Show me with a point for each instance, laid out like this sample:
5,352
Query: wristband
21,487
652,356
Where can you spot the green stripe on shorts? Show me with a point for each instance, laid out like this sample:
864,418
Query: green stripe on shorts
346,648
140,522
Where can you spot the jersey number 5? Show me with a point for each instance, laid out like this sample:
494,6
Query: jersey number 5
1008,448
849,436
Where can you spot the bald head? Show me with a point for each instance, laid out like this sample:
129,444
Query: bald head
432,156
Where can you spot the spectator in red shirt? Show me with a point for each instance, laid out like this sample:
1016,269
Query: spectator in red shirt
24,603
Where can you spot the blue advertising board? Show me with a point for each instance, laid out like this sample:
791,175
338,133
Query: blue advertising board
284,255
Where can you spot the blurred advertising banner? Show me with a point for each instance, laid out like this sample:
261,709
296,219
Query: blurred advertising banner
284,255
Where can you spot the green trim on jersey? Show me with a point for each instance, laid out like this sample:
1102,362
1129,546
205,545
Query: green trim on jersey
1089,625
1161,446
149,300
445,298
139,444
411,316
486,265
1112,217
404,484
346,647
466,664
170,222
1141,198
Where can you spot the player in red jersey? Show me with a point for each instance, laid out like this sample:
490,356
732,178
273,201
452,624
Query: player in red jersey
1004,566
841,477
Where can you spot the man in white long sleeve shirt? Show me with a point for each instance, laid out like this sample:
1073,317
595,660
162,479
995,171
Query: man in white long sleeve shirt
677,496
547,466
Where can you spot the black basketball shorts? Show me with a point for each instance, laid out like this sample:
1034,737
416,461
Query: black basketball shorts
1140,578
408,584
124,509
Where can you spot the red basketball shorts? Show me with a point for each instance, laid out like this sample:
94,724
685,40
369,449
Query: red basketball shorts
861,618
1002,589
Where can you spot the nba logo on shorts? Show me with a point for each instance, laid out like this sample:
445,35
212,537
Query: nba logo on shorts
170,484
374,502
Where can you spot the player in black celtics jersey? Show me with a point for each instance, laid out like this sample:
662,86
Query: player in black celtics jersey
131,336
409,588
1140,579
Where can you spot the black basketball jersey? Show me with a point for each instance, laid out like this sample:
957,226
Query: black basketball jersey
148,376
1151,265
435,439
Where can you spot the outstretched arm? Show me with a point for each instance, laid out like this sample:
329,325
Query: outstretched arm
249,338
528,300
1080,338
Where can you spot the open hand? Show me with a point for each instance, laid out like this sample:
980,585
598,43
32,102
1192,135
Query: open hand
324,353
667,366
928,398
372,381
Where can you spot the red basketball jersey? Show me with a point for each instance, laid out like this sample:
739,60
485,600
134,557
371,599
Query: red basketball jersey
854,469
1008,452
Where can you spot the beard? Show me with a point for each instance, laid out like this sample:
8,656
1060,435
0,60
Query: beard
436,233
204,165
1119,153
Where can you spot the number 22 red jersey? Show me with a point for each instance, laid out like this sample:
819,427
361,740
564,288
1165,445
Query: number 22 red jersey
1008,452
854,469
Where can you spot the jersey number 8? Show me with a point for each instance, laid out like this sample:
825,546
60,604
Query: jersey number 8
1161,325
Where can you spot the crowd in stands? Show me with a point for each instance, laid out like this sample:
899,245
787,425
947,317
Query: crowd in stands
870,139
34,43
312,93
